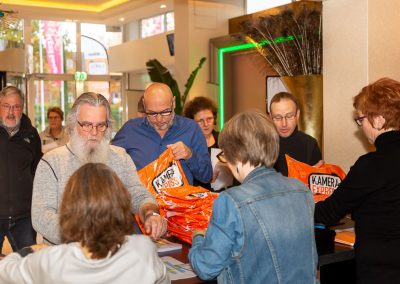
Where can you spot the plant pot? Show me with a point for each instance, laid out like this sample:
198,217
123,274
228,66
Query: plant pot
308,90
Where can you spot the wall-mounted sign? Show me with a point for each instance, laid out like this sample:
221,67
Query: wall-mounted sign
80,76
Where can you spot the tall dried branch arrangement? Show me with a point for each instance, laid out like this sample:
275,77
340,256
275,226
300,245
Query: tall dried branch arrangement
290,42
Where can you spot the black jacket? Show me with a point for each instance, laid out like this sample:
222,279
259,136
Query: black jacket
371,193
19,156
299,146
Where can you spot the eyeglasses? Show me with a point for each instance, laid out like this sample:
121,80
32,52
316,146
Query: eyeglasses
359,120
221,157
87,126
7,107
54,117
154,114
288,116
162,113
207,120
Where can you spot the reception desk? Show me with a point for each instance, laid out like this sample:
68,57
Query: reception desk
334,267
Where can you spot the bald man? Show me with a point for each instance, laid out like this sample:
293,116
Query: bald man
146,138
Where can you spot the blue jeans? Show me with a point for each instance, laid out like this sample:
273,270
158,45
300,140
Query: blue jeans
19,233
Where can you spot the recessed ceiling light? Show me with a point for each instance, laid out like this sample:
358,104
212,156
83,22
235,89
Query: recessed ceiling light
163,6
122,19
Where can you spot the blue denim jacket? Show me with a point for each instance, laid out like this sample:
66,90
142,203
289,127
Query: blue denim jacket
260,232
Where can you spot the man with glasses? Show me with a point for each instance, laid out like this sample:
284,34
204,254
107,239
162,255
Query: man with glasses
146,138
89,124
285,113
19,155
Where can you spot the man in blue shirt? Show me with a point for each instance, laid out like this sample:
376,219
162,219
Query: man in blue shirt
146,138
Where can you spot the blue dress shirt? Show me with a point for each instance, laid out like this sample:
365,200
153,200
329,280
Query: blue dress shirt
143,143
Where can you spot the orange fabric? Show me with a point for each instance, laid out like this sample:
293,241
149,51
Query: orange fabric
186,207
321,181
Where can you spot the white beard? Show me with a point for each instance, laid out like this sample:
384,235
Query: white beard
89,154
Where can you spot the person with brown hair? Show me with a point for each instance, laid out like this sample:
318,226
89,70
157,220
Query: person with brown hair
96,227
204,112
285,113
55,134
261,231
371,189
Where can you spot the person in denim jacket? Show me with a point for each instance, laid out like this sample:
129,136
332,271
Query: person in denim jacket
263,230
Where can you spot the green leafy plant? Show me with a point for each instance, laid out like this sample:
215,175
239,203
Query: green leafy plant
159,73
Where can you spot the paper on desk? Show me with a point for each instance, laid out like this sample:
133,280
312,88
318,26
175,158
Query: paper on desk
176,269
225,177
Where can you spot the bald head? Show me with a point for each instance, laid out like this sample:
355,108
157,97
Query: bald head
159,94
159,104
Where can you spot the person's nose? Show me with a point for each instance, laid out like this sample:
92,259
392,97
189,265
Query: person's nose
94,131
159,118
284,121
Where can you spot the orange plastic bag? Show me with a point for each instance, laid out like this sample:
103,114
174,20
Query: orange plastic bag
321,181
184,206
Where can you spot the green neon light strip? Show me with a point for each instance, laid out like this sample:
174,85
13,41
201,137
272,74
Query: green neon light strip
221,53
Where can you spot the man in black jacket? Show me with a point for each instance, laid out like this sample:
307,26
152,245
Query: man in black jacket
285,114
20,152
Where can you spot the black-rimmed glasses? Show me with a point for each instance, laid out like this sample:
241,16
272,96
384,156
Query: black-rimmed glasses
154,114
221,157
359,120
87,126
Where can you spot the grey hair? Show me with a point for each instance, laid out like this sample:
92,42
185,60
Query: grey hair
12,90
92,99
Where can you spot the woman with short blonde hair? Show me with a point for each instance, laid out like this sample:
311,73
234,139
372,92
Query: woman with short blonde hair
261,231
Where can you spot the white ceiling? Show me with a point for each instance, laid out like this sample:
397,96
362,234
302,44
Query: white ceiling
95,11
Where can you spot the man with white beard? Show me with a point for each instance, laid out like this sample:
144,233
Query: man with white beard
89,125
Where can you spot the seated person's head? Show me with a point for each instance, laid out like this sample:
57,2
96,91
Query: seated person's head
249,138
203,111
96,210
285,113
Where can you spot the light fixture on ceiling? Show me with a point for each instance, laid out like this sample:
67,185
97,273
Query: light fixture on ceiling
163,6
121,19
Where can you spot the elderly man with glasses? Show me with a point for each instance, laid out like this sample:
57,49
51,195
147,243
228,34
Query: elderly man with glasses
89,124
285,114
20,153
146,138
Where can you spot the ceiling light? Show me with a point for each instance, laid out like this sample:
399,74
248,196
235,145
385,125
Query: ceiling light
122,19
163,6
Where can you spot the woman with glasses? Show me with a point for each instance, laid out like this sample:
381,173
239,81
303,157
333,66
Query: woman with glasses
97,231
261,231
371,190
55,135
204,112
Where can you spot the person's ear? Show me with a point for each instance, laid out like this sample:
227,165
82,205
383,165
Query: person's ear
378,122
173,102
298,114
